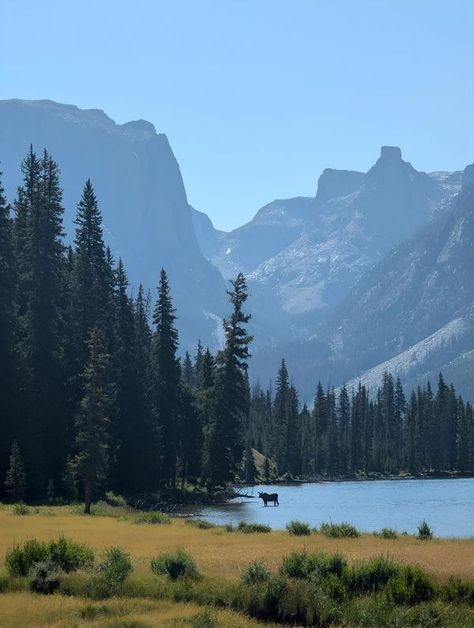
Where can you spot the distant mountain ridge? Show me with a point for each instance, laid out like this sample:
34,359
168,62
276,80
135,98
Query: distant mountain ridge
369,273
147,219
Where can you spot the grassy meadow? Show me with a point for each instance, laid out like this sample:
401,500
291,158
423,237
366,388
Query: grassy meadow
220,557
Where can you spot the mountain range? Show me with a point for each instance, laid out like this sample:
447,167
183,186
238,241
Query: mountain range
373,272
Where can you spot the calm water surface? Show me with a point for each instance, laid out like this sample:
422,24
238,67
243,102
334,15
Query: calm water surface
447,505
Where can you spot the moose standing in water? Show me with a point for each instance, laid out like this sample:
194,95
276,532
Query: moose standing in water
269,497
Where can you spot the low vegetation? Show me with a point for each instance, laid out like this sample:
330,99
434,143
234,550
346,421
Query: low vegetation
287,579
425,533
298,528
339,530
250,528
155,518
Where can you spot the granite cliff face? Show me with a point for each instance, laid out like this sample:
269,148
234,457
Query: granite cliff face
147,219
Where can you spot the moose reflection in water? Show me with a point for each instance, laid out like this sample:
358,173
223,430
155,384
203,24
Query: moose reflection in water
269,497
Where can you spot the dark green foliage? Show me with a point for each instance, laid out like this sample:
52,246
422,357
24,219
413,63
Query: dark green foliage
387,533
250,528
255,573
230,400
67,555
298,528
15,481
425,533
339,530
410,586
154,518
92,423
316,566
115,568
178,564
202,524
204,619
371,576
45,577
20,558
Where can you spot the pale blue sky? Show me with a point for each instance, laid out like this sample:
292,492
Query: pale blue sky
257,97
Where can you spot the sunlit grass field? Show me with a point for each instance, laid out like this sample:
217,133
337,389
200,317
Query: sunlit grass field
217,553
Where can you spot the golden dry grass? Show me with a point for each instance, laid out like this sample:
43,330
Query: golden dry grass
218,553
18,610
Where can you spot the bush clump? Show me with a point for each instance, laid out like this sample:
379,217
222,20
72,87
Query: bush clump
410,586
317,566
115,568
115,500
69,555
387,533
178,564
154,518
45,577
425,533
298,528
21,509
64,553
255,573
371,576
339,530
202,524
249,528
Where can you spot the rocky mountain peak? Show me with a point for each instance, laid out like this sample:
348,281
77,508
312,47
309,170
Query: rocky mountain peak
390,153
337,183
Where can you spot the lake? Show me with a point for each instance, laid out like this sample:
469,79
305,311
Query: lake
447,505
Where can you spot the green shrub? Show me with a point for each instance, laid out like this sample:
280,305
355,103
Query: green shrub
228,527
155,518
45,577
178,564
21,509
249,528
410,586
64,553
20,558
371,576
202,524
298,528
339,530
115,568
317,566
92,611
115,500
204,619
255,572
387,533
424,531
456,590
69,555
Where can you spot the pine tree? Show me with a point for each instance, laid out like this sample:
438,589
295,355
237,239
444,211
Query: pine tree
39,241
15,481
344,420
166,380
224,446
280,418
7,331
92,423
250,473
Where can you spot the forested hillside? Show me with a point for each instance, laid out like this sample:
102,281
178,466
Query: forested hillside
94,396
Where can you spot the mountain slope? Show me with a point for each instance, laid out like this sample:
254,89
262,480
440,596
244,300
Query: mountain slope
413,312
147,220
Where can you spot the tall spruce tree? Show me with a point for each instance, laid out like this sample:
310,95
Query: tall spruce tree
7,332
166,381
93,422
15,480
224,446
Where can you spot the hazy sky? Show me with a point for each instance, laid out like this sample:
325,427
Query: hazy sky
257,97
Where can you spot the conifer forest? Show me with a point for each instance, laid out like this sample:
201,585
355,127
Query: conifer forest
97,394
